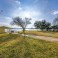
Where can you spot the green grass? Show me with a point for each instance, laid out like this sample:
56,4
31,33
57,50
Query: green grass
14,46
1,30
43,33
7,37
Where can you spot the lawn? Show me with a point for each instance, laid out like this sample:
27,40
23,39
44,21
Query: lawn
15,46
43,33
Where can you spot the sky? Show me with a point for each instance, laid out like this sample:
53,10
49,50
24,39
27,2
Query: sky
35,9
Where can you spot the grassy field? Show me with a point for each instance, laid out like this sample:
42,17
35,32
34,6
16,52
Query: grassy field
1,30
43,33
15,46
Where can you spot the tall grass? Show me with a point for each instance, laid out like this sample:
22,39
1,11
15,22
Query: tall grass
43,33
27,48
7,37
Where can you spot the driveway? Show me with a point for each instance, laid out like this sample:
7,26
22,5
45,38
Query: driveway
52,39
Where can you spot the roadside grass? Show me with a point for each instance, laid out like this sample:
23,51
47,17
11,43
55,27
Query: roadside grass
1,30
4,34
14,46
7,37
43,33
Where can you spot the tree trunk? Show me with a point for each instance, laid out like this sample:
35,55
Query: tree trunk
24,32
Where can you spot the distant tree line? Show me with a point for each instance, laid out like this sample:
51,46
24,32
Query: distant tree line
47,26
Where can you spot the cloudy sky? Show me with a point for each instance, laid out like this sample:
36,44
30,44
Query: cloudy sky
35,9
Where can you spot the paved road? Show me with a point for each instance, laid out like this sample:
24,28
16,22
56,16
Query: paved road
43,38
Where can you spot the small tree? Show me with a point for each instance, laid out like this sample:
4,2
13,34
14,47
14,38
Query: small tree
21,22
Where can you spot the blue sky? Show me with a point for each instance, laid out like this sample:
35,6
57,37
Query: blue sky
35,9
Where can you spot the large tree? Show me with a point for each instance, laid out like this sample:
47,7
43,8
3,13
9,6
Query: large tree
55,22
43,25
37,24
48,26
21,22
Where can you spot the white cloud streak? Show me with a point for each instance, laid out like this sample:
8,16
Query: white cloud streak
25,13
55,12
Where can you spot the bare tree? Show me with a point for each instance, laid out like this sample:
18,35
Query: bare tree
21,22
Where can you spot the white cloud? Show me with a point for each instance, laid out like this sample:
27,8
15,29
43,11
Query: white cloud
22,14
5,21
30,13
55,12
20,8
18,2
25,13
2,24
